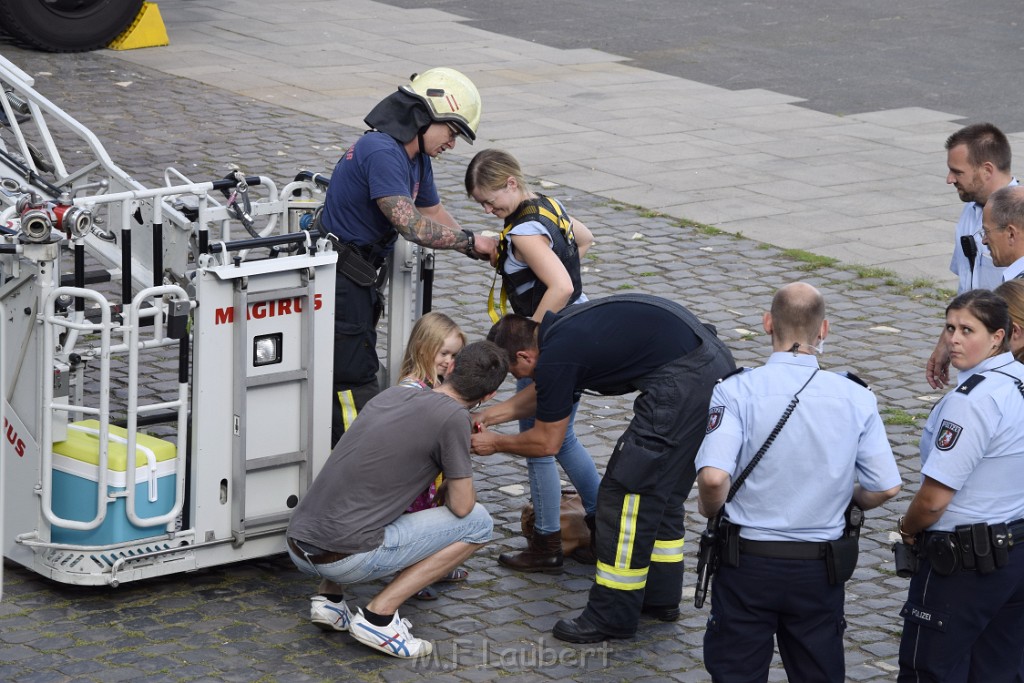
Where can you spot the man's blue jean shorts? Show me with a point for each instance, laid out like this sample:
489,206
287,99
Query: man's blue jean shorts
409,539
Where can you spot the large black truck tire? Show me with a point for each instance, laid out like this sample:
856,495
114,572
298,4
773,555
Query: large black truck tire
67,25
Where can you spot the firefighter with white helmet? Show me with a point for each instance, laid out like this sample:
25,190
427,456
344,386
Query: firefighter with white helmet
450,96
382,188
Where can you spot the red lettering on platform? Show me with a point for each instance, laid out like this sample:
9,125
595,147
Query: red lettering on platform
14,439
224,315
265,309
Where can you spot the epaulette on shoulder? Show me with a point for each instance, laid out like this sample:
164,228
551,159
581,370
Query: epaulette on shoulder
734,372
970,383
854,378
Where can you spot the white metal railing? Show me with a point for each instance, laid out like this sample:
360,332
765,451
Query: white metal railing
104,329
159,296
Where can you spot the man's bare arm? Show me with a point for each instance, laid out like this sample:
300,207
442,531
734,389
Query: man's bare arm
544,438
523,404
937,370
712,490
414,226
460,496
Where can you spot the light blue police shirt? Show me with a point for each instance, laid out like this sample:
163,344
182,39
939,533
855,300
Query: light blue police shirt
804,482
973,442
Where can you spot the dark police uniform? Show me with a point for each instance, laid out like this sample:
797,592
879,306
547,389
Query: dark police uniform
969,625
618,345
791,504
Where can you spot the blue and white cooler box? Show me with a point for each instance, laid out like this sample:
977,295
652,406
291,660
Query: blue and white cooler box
76,474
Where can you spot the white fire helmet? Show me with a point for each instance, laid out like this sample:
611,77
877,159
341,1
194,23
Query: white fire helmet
449,96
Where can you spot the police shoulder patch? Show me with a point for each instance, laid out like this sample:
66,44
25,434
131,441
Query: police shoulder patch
715,418
948,434
970,383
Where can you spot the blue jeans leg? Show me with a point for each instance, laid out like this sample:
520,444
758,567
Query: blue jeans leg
579,466
545,488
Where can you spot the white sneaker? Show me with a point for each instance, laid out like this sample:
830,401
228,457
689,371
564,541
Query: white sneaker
329,616
393,639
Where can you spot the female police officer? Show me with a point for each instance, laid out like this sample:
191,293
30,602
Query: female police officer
964,616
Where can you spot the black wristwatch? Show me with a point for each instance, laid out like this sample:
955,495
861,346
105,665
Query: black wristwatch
472,239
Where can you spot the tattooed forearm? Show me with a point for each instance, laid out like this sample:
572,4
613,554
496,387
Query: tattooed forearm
417,228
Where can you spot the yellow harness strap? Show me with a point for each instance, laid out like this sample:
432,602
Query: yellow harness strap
496,312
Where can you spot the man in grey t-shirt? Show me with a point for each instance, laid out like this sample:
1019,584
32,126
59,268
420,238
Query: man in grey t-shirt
350,527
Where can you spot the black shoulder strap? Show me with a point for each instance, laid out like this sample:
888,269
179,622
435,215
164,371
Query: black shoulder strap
768,442
737,371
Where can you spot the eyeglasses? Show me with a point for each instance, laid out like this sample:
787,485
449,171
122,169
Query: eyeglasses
986,233
453,129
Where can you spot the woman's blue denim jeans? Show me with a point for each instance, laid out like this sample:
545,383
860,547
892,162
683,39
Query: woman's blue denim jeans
545,486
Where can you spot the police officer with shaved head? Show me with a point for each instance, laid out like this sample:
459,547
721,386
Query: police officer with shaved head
788,447
1003,230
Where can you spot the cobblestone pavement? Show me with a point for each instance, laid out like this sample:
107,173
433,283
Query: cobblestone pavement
248,621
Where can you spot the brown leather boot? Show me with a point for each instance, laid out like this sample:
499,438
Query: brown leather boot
544,554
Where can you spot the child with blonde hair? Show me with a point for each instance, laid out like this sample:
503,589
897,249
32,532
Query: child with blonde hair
433,344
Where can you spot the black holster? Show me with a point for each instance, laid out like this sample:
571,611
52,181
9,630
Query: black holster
841,559
841,556
353,265
970,547
906,559
729,537
943,552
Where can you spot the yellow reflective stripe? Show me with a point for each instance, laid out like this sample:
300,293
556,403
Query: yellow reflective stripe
668,551
496,311
348,408
627,530
620,578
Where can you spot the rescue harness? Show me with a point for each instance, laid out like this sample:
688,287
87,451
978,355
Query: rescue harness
553,217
